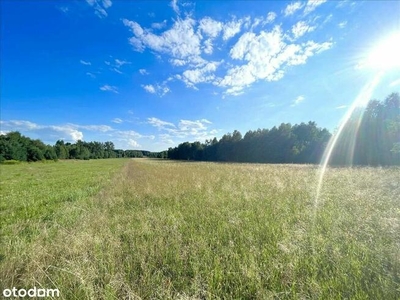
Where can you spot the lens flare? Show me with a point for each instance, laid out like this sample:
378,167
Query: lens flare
361,100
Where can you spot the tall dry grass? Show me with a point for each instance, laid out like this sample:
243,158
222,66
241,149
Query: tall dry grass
184,230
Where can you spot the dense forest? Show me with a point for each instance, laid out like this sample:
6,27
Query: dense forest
370,137
14,146
304,143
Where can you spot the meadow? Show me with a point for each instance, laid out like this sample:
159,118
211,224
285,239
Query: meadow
159,229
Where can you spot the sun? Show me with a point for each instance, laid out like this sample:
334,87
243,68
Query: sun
386,54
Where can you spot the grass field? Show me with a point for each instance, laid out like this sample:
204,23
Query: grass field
151,229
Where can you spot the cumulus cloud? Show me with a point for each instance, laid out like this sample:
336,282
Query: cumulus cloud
43,132
300,28
191,46
160,25
160,89
99,128
342,24
199,75
194,130
180,42
100,7
119,63
298,100
265,57
210,27
174,5
149,88
271,17
117,120
109,88
160,124
123,139
292,8
143,72
312,5
133,143
231,29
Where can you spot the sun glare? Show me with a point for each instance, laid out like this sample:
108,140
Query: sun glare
386,54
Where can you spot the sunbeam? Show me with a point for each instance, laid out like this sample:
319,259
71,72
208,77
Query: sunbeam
361,100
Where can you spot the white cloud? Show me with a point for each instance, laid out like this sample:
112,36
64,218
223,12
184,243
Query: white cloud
149,88
99,128
180,42
292,8
143,72
192,130
86,63
257,54
300,28
298,100
204,74
160,89
208,46
342,24
266,56
341,106
257,21
160,25
174,5
178,62
109,88
117,120
116,65
133,143
43,132
210,27
123,139
205,121
90,75
271,17
100,7
117,70
231,28
312,5
160,124
120,63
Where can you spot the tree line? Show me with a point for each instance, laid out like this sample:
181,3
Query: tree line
370,137
303,143
14,146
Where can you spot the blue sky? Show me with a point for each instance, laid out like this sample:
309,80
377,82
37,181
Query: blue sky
152,74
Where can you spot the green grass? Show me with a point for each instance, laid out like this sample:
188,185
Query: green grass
182,230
